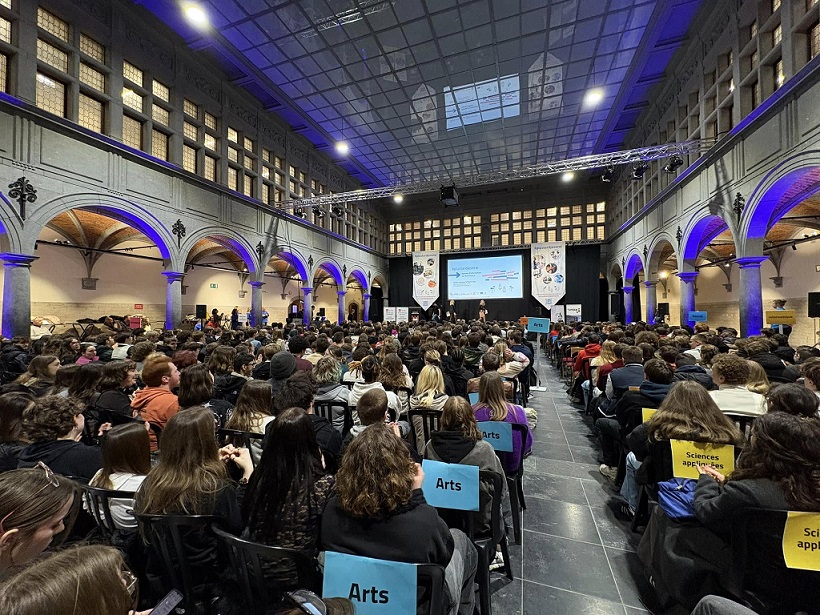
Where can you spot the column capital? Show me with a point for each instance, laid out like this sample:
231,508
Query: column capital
306,290
173,276
366,296
341,293
650,283
751,261
256,284
17,260
687,276
628,289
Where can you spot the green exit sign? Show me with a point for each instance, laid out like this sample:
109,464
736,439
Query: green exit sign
214,285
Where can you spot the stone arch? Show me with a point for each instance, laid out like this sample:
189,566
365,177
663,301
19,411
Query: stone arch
699,232
117,208
228,239
634,264
294,259
657,249
9,235
379,280
332,268
360,277
786,185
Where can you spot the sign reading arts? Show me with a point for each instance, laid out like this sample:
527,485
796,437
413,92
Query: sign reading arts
450,485
497,433
374,586
801,541
688,455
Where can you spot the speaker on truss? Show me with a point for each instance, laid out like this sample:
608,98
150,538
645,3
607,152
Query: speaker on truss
814,305
449,196
201,311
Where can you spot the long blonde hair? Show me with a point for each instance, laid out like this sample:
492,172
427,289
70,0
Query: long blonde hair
491,394
758,381
429,384
689,413
607,355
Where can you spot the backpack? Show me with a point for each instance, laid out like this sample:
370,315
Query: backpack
676,497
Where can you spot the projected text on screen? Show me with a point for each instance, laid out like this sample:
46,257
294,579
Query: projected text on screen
493,277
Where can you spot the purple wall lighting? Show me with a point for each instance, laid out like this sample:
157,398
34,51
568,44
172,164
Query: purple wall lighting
778,199
333,270
360,278
295,262
703,232
633,266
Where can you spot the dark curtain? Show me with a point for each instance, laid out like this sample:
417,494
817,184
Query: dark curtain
603,299
376,303
637,313
583,264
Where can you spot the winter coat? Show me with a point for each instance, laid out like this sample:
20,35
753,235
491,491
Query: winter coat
65,457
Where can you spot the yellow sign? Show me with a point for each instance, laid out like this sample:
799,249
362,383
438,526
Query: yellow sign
801,541
687,455
781,317
647,413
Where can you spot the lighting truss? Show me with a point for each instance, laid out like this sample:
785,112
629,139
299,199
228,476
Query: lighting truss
622,158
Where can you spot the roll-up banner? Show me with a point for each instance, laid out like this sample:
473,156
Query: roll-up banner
425,278
548,262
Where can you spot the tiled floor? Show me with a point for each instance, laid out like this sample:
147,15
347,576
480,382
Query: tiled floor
576,557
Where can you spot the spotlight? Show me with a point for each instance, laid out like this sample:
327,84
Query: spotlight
672,166
607,175
342,148
195,15
299,212
593,98
639,169
317,212
398,198
337,211
567,177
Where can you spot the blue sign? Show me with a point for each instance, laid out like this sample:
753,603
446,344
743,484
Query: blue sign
538,325
374,586
697,317
473,398
450,485
497,433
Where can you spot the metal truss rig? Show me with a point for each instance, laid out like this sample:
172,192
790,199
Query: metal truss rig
597,161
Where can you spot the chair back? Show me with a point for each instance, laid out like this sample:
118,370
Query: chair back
98,502
743,423
166,536
256,565
492,486
240,438
326,409
431,588
423,421
760,576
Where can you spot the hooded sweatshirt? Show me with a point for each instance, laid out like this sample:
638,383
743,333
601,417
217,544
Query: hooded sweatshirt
628,410
228,386
155,405
65,457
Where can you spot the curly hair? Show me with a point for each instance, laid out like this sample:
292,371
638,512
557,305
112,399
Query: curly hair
732,368
376,474
785,448
221,360
50,418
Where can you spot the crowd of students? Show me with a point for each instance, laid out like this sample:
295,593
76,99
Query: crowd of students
757,394
142,414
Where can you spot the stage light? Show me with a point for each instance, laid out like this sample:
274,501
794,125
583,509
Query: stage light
593,98
337,211
299,212
673,164
639,169
607,175
567,177
342,148
317,211
195,15
397,198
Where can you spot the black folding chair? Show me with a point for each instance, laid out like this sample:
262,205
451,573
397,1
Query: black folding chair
98,503
431,582
258,565
328,409
244,439
423,422
515,481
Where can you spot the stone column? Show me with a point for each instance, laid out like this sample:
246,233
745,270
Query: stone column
256,302
687,295
306,290
342,306
366,309
651,300
628,304
751,297
17,294
614,297
173,298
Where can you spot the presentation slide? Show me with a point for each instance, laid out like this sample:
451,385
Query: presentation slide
491,277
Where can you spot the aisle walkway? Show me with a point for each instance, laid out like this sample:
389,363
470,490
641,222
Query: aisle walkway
577,557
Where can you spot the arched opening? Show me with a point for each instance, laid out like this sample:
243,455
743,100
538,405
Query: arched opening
662,267
282,294
327,282
633,276
356,287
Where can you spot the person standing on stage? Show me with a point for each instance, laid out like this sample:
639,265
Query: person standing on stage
482,311
451,313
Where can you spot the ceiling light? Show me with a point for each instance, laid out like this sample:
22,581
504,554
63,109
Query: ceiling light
663,275
567,177
195,15
593,98
672,166
342,148
639,169
397,198
607,175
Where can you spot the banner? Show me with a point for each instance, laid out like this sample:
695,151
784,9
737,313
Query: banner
425,278
389,314
548,262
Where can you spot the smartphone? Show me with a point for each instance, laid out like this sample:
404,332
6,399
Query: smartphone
168,603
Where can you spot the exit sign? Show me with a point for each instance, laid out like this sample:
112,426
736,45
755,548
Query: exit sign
138,306
214,285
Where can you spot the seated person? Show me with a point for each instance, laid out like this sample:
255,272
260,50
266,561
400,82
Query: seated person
369,371
732,373
631,374
628,413
492,406
811,375
759,350
490,362
687,368
327,375
373,410
794,399
379,511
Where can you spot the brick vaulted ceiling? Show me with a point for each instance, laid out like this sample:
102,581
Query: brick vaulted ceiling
431,89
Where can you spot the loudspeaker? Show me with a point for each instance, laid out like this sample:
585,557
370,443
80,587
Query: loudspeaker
201,311
663,309
814,305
